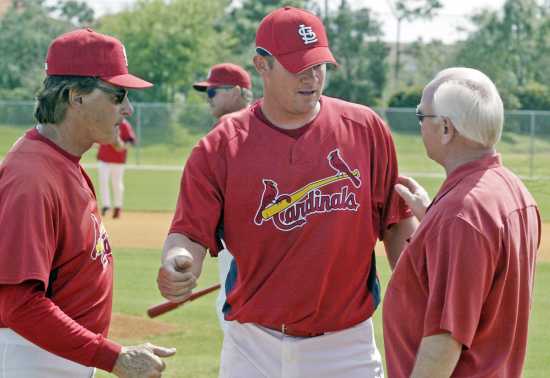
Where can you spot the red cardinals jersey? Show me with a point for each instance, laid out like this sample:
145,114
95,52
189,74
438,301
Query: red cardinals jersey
109,154
301,216
52,233
468,271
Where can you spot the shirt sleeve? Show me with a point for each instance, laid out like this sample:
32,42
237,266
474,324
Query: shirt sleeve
388,205
200,200
25,309
460,267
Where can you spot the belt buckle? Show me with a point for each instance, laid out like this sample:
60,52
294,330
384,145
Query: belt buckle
283,329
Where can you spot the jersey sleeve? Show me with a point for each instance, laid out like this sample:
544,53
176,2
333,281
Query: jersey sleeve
200,200
28,236
25,309
460,266
387,204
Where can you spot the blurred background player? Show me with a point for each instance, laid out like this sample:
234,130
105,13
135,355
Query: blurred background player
112,158
228,89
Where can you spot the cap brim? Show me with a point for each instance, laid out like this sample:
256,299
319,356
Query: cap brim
127,81
202,85
301,60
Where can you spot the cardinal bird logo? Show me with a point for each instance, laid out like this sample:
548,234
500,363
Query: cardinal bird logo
289,211
341,167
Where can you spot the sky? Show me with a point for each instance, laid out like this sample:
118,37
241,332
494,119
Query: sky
443,26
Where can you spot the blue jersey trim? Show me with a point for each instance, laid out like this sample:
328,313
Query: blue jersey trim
373,283
229,284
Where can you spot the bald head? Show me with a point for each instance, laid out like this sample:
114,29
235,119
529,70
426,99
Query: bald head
470,100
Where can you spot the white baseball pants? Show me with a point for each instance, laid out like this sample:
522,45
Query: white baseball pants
115,173
252,351
19,358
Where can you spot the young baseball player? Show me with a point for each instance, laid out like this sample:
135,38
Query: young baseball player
112,158
56,263
228,89
459,299
303,184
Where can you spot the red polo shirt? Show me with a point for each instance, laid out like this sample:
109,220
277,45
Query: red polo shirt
468,271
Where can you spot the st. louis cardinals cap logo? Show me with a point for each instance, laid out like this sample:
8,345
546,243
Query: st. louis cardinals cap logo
288,211
307,34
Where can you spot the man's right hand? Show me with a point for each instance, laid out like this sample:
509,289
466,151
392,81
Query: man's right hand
176,279
142,361
414,195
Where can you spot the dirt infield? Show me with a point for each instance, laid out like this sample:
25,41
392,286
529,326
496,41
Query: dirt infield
148,230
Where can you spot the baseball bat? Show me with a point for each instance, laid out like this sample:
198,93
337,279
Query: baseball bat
162,308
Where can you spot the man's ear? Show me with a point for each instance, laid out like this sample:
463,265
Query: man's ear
261,64
448,131
75,98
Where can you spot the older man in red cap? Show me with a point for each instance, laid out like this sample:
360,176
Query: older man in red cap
303,184
56,264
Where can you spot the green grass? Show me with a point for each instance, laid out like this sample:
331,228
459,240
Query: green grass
198,338
157,190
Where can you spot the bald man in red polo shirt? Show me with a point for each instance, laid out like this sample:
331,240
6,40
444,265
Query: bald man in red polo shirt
459,298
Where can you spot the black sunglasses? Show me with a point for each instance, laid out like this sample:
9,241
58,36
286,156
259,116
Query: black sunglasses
119,93
212,91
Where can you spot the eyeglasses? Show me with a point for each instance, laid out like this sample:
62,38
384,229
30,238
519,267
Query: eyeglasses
119,93
421,115
212,91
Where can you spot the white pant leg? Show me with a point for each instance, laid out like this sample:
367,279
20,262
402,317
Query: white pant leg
117,183
351,353
252,351
224,263
103,173
19,358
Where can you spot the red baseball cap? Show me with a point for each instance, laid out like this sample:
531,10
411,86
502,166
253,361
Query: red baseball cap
295,37
84,52
225,74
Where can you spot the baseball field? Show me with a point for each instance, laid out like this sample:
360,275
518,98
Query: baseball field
193,328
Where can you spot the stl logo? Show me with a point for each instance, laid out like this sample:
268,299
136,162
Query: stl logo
101,248
307,34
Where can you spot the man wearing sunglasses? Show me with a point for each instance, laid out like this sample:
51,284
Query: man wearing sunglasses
459,299
303,184
56,263
228,89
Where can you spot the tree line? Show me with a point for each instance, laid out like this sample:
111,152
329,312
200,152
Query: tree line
173,44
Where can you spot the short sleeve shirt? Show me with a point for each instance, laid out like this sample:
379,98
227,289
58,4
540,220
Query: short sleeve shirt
301,215
468,271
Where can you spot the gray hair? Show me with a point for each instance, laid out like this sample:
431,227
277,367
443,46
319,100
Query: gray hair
52,99
471,101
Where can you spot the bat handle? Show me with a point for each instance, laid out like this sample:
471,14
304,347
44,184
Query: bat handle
162,308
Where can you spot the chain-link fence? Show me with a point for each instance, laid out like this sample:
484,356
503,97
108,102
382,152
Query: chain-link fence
167,132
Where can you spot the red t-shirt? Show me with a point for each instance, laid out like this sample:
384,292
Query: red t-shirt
109,154
301,216
52,234
468,271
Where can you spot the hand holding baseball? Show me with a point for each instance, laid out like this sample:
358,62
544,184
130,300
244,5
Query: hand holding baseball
176,279
414,195
142,361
